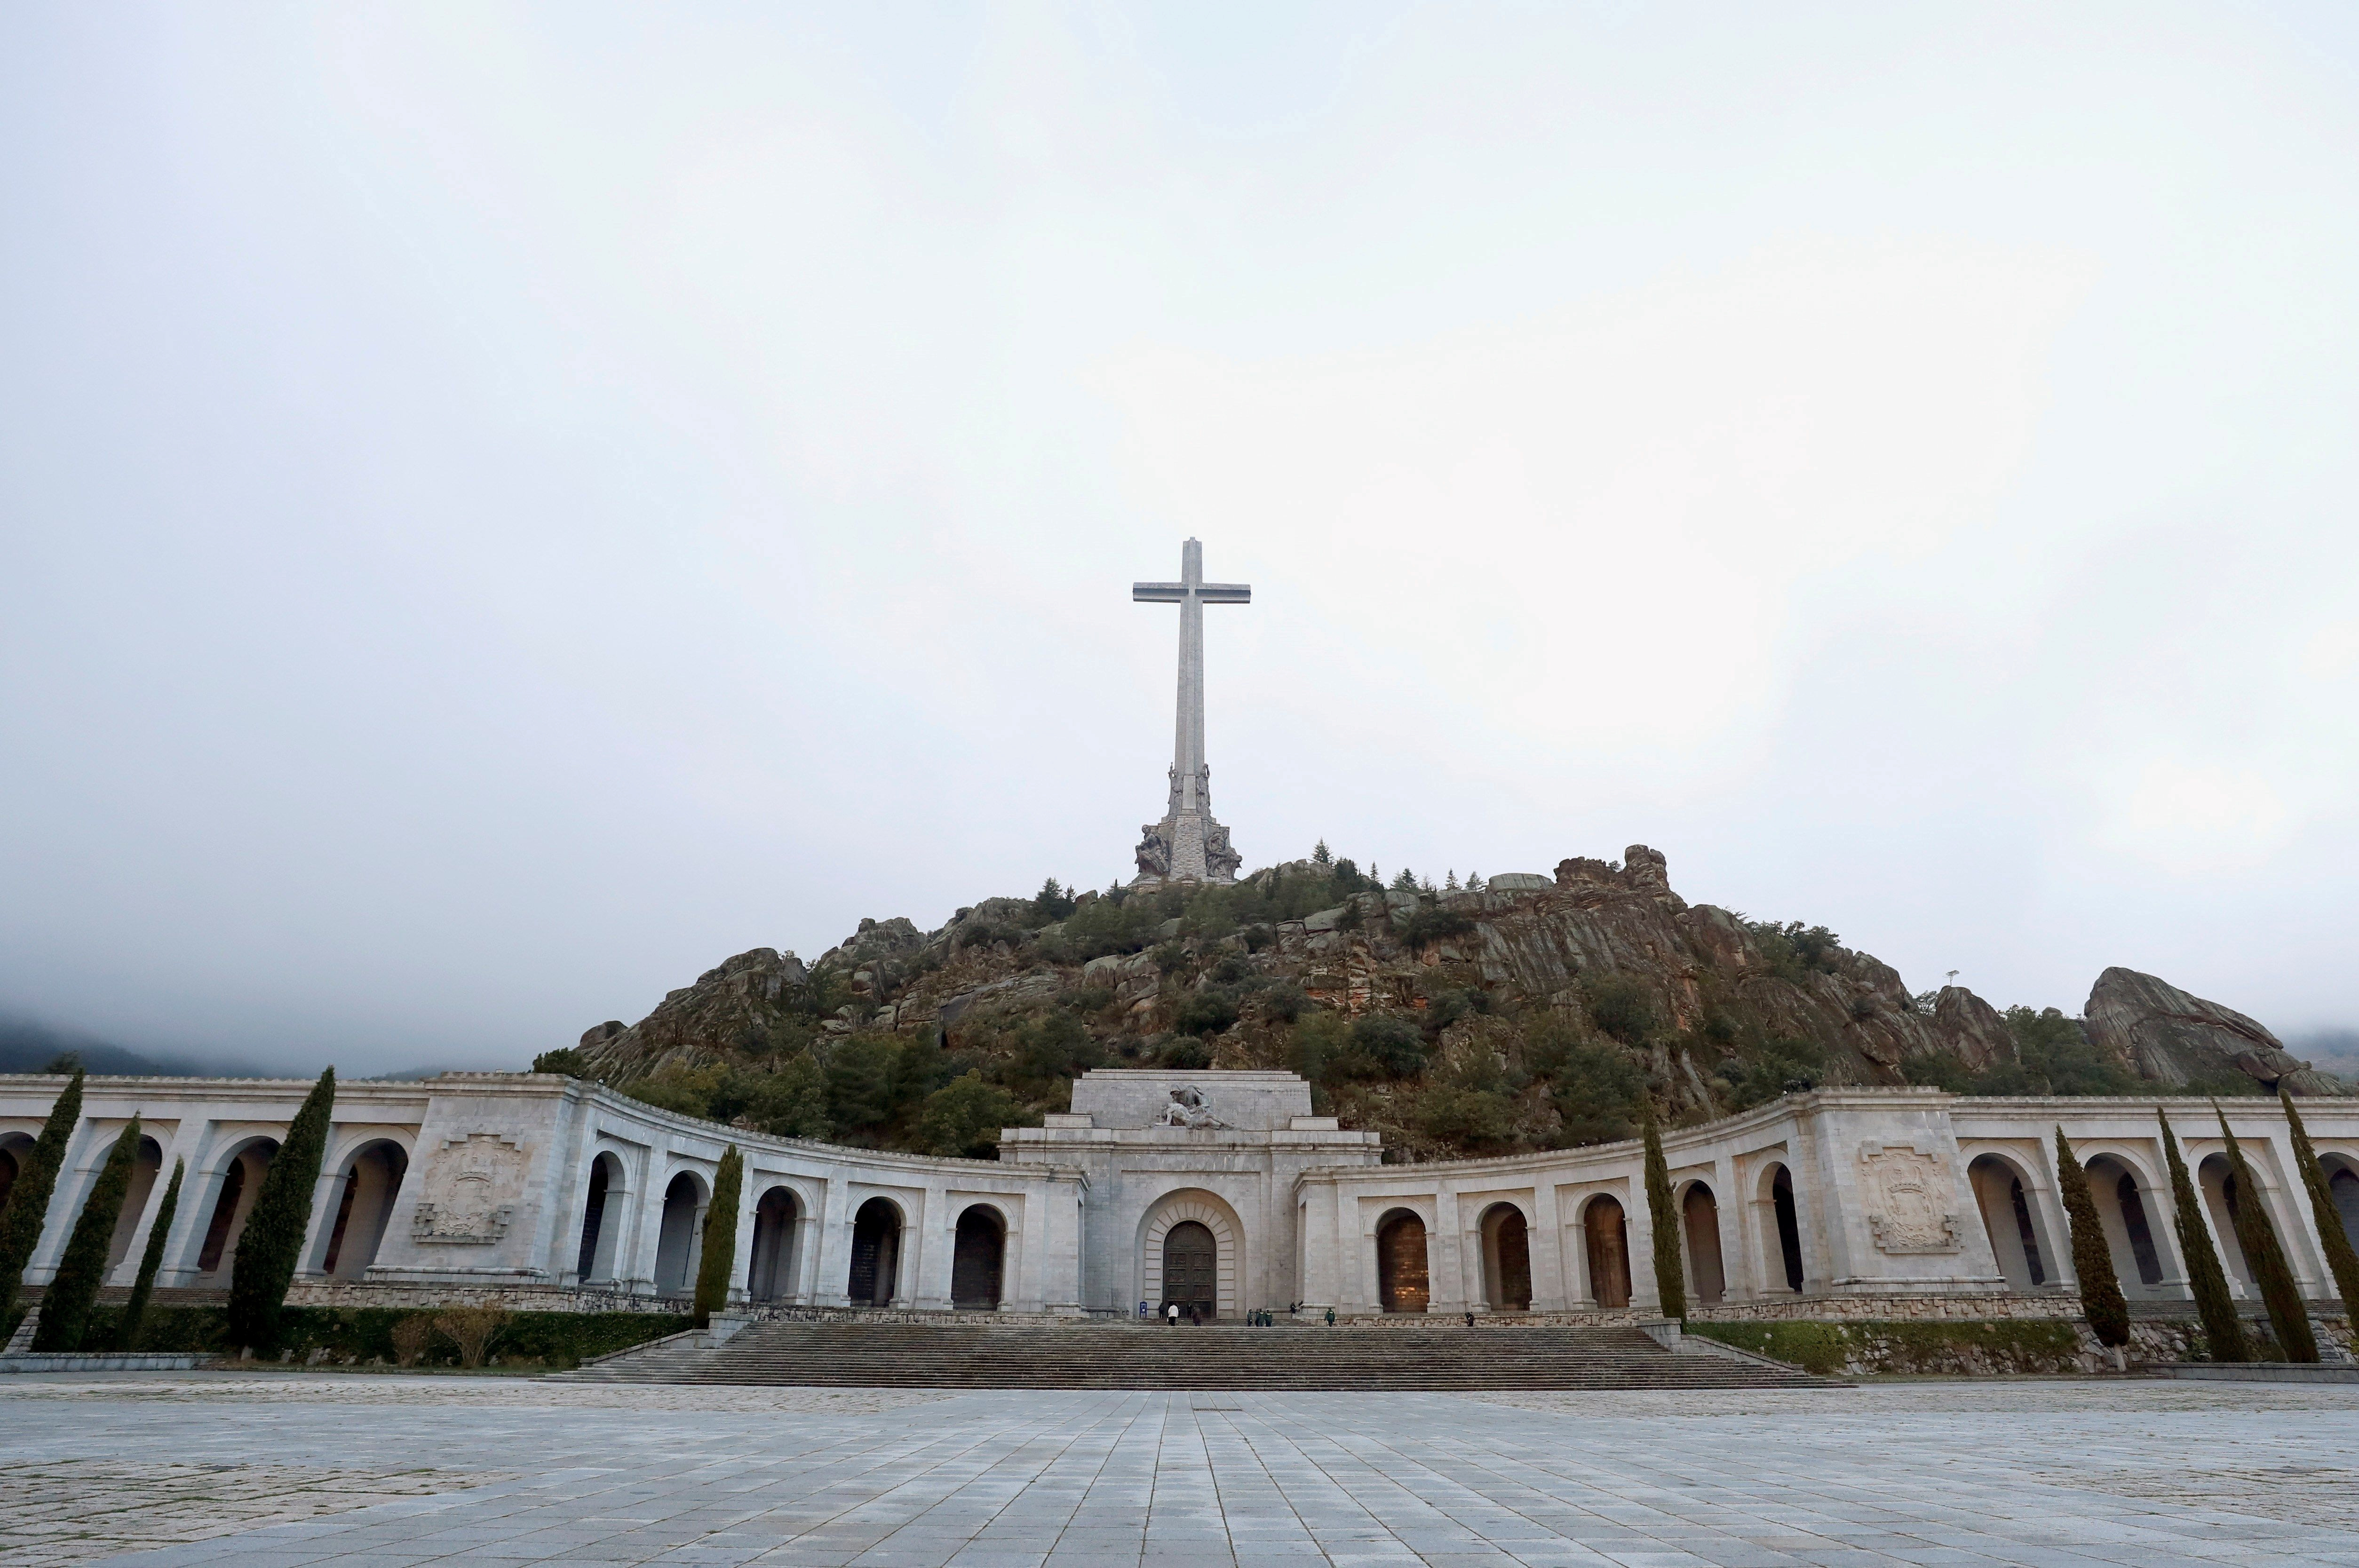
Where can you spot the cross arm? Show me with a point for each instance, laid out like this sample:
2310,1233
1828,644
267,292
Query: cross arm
1157,592
1225,593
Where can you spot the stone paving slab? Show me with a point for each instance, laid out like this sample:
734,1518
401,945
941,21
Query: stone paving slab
517,1472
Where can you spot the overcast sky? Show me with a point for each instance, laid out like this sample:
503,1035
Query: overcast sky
502,508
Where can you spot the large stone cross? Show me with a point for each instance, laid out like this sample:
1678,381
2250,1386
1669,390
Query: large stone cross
1188,845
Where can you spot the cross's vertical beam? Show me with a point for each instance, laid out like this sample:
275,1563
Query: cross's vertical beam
1188,745
1188,845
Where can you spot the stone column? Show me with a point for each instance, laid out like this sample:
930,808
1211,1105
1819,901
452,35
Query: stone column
1547,1242
1445,1253
808,1243
834,1249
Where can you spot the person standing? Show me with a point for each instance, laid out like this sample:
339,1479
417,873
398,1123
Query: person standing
1171,1314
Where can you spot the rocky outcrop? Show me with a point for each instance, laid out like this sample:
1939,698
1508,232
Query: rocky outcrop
2167,1036
737,1006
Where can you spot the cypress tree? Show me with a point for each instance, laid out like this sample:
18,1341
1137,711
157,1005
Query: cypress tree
2340,1257
134,1310
1670,1275
27,1210
81,1269
2288,1316
2223,1329
2101,1288
272,1243
719,1254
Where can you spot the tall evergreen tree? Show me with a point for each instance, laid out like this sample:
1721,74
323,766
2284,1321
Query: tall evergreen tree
28,1209
2224,1331
134,1310
81,1267
720,1256
2341,1259
2092,1259
1671,1274
272,1243
2288,1317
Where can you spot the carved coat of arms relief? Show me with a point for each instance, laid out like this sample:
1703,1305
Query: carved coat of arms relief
1904,1190
471,1190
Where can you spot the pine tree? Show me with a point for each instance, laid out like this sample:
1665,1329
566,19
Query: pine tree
2288,1314
27,1210
81,1267
2223,1330
272,1243
2340,1257
134,1310
2092,1259
719,1237
1670,1275
1321,856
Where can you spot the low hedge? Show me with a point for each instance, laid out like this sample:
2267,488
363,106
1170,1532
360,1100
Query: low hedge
1981,1347
360,1336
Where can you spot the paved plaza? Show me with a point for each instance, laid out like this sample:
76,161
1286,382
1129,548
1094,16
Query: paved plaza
271,1470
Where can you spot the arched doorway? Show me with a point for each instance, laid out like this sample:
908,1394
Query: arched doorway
2129,1237
979,1254
770,1268
875,1253
2005,1201
1788,1221
1506,1258
12,1160
1606,1234
680,1241
2217,1179
2342,1185
595,1261
1403,1281
147,1165
238,1184
1700,1218
1192,1269
372,1180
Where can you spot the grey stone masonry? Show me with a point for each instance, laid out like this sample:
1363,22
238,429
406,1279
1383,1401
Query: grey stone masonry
1188,845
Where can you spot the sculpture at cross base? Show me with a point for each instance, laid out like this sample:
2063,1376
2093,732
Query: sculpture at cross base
1187,845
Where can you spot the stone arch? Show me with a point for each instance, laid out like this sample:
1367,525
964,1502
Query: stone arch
364,1193
146,1166
874,1277
1506,1233
602,1210
1605,1237
679,1242
979,1258
1404,1270
1700,1233
1194,1204
231,1186
1780,1224
2216,1180
2343,1186
2003,1193
770,1261
15,1148
2125,1210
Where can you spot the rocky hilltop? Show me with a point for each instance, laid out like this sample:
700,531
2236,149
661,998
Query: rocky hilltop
1530,1012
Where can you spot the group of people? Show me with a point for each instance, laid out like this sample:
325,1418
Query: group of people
1260,1318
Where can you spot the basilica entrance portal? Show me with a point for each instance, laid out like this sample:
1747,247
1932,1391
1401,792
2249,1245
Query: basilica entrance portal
1192,1269
1402,1282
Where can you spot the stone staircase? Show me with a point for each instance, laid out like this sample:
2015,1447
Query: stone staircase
984,1356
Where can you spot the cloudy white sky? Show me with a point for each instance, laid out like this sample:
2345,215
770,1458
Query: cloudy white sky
501,508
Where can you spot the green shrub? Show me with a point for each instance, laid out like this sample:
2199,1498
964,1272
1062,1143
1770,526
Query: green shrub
26,1212
2341,1260
1431,924
1477,1120
1384,1047
271,1245
964,1117
134,1310
1185,1052
566,1060
2092,1259
2288,1314
1619,1006
718,1256
81,1267
1598,1093
360,1336
1206,1012
1670,1275
791,1101
2223,1331
1779,1067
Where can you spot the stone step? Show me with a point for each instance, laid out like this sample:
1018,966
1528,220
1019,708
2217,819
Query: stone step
930,1355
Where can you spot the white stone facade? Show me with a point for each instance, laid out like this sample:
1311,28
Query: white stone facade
1839,1203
